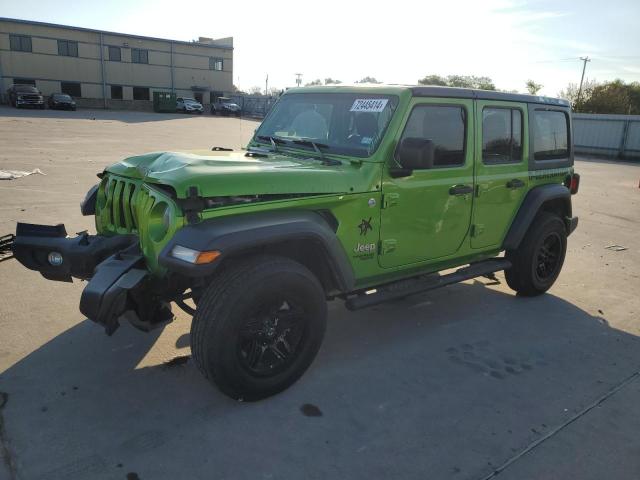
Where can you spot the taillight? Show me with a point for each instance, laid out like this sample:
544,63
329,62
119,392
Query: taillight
574,184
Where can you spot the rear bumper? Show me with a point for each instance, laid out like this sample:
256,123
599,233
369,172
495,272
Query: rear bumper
119,282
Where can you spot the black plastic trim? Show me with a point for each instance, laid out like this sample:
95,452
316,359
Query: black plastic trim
80,254
231,235
88,205
530,207
452,92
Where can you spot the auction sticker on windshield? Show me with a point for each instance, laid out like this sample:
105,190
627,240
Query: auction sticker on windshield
369,105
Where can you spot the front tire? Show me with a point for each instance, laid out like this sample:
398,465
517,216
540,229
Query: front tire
258,326
537,262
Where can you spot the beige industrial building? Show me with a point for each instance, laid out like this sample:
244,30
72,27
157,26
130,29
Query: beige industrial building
111,70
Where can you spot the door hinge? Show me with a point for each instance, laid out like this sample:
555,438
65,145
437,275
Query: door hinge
477,229
390,200
388,246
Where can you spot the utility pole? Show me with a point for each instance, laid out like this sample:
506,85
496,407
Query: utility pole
584,67
266,86
298,79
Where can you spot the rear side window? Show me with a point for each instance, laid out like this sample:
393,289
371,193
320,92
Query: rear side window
501,135
550,135
445,126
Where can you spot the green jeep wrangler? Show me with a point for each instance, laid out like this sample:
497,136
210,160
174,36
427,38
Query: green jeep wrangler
358,193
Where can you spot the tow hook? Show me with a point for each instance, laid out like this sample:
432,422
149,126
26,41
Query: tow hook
6,247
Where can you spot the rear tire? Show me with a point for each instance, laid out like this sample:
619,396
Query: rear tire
258,326
537,262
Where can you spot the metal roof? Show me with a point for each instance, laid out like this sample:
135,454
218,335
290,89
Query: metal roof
106,32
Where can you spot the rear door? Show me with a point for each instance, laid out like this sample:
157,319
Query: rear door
426,215
502,176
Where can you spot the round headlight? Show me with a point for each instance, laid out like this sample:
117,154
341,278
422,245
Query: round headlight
159,221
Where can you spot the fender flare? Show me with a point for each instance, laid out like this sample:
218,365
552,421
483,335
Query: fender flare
530,207
234,234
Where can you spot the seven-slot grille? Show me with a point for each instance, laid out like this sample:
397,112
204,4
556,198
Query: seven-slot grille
120,208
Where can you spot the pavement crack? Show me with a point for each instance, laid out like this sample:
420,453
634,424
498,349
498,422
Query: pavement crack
561,427
5,453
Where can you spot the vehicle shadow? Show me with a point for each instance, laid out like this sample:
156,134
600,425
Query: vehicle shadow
453,381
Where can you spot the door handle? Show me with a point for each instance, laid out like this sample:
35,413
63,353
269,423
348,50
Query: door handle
460,190
515,183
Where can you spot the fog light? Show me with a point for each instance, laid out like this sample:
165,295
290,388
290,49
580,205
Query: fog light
55,259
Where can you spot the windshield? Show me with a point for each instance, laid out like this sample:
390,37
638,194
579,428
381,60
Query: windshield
25,89
61,96
342,123
190,100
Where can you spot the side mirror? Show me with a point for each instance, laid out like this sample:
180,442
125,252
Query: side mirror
416,153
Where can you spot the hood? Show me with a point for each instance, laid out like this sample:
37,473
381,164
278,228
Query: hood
217,173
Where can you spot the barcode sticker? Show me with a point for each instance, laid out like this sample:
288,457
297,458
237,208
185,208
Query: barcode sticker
369,105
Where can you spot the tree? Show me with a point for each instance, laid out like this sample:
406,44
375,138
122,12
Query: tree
368,80
313,83
433,80
571,93
255,90
462,81
612,97
331,81
532,87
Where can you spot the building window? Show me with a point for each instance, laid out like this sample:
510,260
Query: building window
550,135
67,48
501,135
71,88
140,93
445,126
24,81
116,92
20,43
215,64
139,56
114,54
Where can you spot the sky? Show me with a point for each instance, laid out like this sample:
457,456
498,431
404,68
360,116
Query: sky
398,41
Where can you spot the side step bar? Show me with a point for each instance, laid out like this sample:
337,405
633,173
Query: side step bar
404,288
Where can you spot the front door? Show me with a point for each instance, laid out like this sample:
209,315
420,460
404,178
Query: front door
426,215
501,169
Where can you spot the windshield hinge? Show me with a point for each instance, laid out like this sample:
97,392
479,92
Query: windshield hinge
390,200
192,205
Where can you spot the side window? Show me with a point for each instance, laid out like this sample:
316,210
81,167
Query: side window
115,55
501,135
550,135
445,126
20,43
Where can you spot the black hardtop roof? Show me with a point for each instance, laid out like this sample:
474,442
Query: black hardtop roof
452,92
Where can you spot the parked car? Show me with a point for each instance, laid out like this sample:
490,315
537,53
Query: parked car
189,105
25,96
360,194
61,101
225,106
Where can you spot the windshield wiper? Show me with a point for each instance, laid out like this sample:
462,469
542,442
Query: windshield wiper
318,149
275,141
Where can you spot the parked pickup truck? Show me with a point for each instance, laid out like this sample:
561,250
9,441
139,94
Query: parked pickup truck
360,194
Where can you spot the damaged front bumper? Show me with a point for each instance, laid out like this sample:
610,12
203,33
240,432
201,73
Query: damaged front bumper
119,282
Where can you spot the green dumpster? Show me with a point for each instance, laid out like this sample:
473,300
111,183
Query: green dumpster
164,102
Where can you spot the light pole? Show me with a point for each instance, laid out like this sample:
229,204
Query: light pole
584,67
